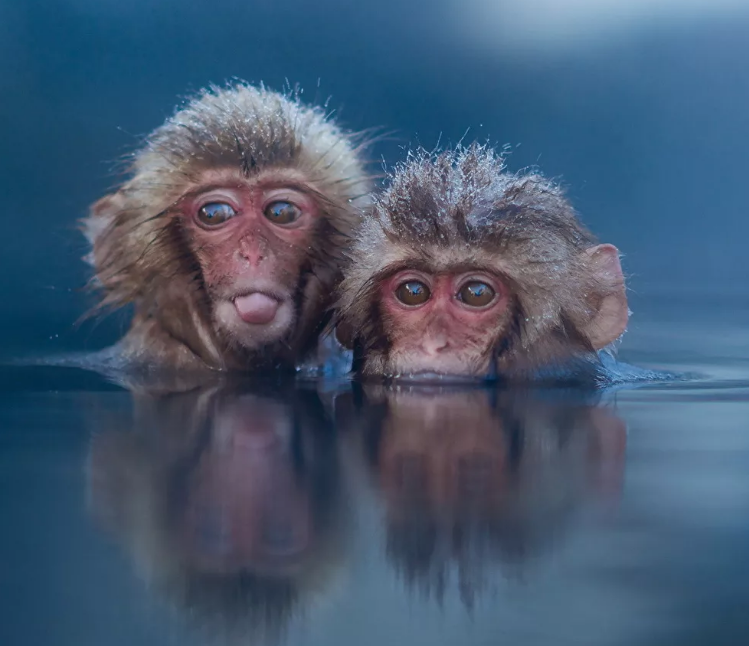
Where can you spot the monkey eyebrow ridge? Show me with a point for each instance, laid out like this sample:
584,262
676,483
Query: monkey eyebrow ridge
426,267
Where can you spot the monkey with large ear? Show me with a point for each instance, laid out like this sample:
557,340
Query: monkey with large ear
466,270
227,236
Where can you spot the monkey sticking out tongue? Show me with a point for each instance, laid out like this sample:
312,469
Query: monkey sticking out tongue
230,208
256,308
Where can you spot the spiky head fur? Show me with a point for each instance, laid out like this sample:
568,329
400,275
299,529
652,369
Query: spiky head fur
462,208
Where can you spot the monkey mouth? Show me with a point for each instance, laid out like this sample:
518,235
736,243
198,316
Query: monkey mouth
257,308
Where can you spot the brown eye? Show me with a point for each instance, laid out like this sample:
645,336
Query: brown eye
413,292
215,213
476,294
282,212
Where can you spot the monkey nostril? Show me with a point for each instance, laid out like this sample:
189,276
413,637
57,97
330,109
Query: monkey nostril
433,345
251,253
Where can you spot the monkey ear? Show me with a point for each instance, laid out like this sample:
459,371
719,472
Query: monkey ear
612,313
344,335
101,214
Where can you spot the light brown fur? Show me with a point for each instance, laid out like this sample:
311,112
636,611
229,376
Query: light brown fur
140,250
462,209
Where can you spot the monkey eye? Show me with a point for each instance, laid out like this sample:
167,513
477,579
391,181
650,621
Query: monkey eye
476,294
412,292
215,213
282,212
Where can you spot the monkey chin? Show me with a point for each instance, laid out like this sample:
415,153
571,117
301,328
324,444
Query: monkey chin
254,336
427,378
428,373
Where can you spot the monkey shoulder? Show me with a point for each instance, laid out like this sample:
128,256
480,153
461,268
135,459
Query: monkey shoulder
613,373
148,344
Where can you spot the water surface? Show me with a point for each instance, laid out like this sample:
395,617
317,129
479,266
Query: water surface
318,513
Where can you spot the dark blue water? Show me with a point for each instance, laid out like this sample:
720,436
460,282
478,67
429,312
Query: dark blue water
324,513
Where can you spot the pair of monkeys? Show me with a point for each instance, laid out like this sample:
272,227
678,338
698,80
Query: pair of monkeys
249,227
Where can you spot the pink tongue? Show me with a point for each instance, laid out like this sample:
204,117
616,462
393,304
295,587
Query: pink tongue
256,308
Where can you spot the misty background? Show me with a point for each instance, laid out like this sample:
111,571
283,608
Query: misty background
640,108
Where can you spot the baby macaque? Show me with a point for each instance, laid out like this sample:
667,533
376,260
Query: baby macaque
464,270
227,237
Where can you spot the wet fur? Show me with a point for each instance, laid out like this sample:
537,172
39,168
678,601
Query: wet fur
139,250
461,208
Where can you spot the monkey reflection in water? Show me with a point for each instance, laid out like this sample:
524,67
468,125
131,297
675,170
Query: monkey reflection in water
226,502
475,478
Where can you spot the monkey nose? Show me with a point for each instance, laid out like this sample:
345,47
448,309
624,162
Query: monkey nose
251,252
435,344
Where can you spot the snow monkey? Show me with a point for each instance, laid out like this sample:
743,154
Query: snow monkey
227,237
464,270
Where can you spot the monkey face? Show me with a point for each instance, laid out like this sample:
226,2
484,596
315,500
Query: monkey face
443,324
250,239
465,270
228,236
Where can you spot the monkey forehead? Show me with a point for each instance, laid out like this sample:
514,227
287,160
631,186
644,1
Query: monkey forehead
378,246
254,129
437,259
233,177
